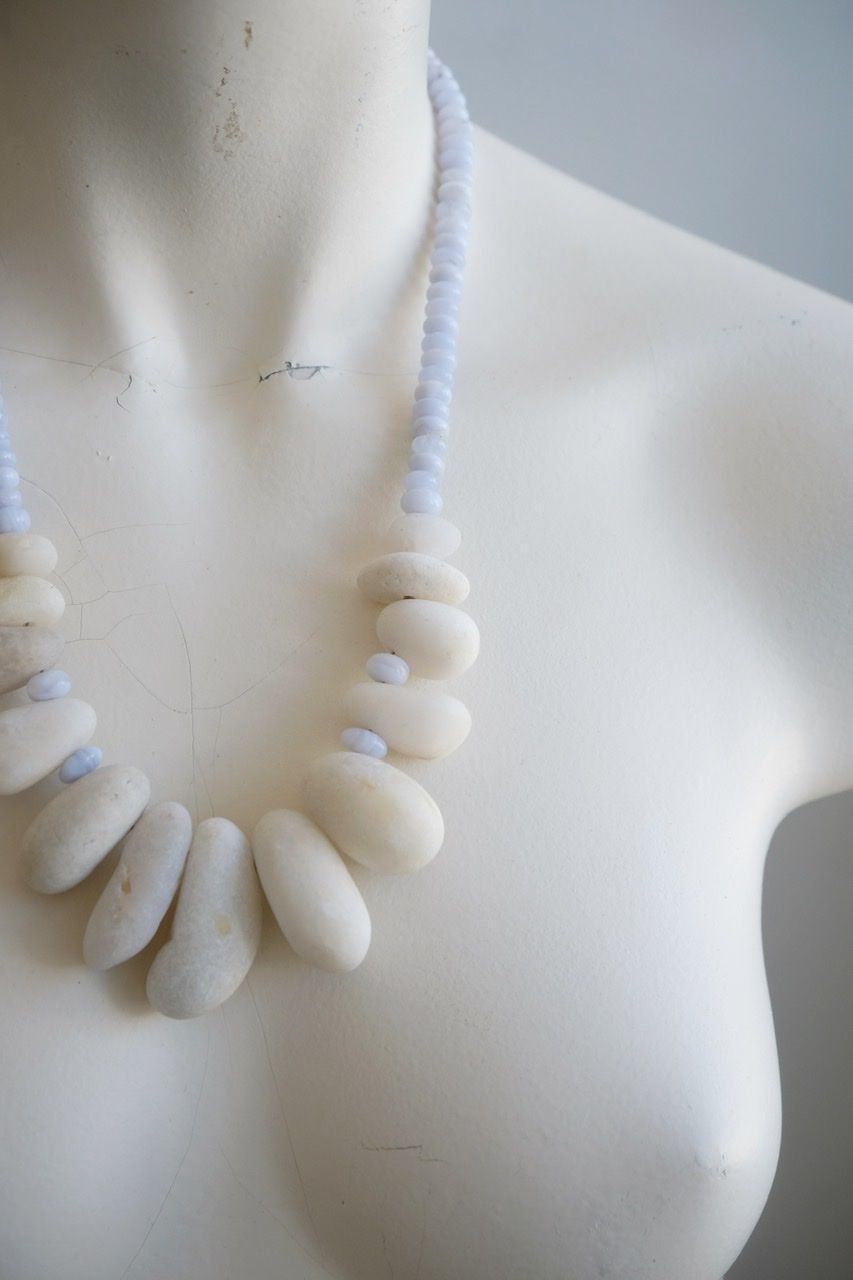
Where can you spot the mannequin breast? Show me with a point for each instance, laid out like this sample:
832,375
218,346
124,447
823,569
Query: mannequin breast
558,1056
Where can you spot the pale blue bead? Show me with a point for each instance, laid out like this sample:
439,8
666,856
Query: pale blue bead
5,440
14,520
439,357
421,501
430,424
429,442
435,373
388,668
365,742
7,458
451,239
427,462
46,685
432,409
432,391
438,342
445,271
432,324
79,763
419,479
9,478
442,307
444,289
11,498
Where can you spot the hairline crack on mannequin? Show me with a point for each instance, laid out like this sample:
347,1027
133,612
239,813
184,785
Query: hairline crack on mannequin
558,1057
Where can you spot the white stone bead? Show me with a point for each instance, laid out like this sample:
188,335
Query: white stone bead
419,722
77,828
430,535
313,896
129,911
217,925
373,812
24,651
27,601
26,553
36,738
412,574
437,640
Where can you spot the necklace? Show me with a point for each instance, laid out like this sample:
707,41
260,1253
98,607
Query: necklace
359,806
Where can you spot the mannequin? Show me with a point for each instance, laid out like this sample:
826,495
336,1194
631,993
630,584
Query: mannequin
557,1059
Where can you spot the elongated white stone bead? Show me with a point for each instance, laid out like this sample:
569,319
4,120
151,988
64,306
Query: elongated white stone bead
36,738
411,574
217,925
77,828
137,897
26,553
373,812
437,640
431,535
24,651
27,601
313,896
424,723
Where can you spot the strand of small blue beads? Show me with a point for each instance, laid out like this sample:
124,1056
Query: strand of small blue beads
360,806
434,389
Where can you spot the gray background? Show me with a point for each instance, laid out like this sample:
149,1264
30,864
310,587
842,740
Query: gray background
734,120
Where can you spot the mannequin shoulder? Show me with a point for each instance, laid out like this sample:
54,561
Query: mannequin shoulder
721,389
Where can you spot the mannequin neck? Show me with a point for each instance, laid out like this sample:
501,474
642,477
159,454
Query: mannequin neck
215,193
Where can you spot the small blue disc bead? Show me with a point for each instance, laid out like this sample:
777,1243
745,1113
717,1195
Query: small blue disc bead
388,668
420,479
14,520
365,742
9,478
427,462
46,685
421,502
79,763
11,498
7,458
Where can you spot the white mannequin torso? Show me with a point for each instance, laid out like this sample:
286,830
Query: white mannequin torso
557,1060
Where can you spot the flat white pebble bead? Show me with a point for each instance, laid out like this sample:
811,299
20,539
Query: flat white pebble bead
423,723
77,828
82,761
373,812
313,897
437,640
36,738
433,535
217,925
28,553
28,601
364,741
25,651
402,574
48,684
141,888
387,668
422,500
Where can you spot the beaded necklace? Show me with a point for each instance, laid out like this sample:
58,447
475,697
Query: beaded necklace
358,805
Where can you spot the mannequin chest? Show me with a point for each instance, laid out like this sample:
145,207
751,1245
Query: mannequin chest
565,1015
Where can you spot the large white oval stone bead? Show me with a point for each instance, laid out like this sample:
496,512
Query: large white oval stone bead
77,828
137,897
26,553
420,531
27,601
217,925
409,574
373,812
312,894
416,722
25,651
35,739
437,640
